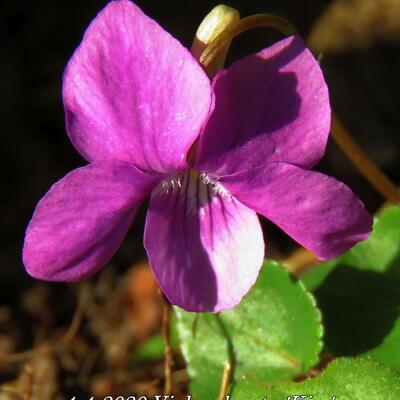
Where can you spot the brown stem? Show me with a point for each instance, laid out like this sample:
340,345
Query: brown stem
78,315
374,175
299,261
16,357
225,381
168,354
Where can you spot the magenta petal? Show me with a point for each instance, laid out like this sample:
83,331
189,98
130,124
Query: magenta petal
133,93
205,255
81,221
271,106
317,211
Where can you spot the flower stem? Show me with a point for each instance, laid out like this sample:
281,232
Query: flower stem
168,355
245,24
298,261
367,167
225,381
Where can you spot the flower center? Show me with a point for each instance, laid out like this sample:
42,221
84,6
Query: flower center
196,186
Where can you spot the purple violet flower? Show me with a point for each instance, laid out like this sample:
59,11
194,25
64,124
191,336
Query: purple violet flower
136,101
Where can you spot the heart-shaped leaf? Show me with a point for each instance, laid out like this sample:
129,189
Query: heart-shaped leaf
344,379
273,335
359,294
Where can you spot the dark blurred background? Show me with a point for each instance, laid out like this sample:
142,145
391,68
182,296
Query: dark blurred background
359,41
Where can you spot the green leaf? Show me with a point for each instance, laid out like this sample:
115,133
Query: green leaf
381,252
316,276
359,294
344,379
388,351
273,335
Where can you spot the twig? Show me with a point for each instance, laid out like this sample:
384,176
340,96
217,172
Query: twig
225,381
65,340
77,318
364,164
168,354
16,357
9,393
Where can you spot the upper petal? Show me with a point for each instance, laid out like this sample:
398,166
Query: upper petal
81,221
317,211
133,93
271,106
205,250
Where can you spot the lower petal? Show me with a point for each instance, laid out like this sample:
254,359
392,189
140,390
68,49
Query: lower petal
317,211
81,221
205,249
